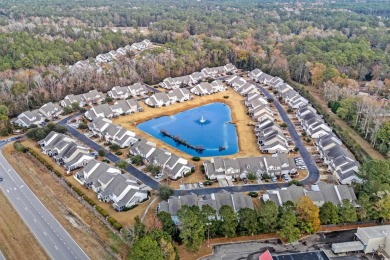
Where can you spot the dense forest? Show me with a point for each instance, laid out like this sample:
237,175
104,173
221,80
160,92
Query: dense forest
335,46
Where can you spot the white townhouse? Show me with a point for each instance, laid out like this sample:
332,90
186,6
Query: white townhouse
51,110
28,118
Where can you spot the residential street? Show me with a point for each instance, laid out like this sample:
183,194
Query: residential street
312,177
314,174
55,240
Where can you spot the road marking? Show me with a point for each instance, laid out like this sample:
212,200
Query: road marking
21,186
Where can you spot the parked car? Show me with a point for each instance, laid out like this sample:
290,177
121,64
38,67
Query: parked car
1,178
273,179
286,178
201,185
244,180
158,176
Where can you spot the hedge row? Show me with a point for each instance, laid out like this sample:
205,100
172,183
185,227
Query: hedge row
114,223
99,209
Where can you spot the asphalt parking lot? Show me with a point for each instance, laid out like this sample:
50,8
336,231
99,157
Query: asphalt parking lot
252,250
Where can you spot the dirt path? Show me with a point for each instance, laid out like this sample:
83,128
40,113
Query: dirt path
16,240
88,231
363,143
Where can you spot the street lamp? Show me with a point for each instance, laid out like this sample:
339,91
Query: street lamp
208,224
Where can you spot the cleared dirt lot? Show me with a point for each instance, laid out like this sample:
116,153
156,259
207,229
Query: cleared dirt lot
16,240
88,231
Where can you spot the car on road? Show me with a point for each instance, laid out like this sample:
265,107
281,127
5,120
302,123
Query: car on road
1,178
158,176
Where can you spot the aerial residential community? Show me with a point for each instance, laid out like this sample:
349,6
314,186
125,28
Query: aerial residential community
194,130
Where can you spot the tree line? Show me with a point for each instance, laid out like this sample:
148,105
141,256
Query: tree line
289,221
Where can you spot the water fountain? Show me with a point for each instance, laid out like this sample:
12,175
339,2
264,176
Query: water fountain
202,120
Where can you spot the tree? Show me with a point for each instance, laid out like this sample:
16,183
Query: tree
317,72
167,223
248,221
67,110
75,106
101,152
251,176
164,192
139,227
83,125
192,227
376,174
146,248
165,242
268,217
329,213
114,147
308,215
287,224
122,164
108,99
347,212
136,159
209,217
383,207
229,221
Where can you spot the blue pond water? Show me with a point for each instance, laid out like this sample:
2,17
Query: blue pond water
212,131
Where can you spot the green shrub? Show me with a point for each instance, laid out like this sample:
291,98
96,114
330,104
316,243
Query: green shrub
101,211
253,194
83,126
196,158
78,191
121,164
114,147
101,152
207,182
225,97
114,223
19,147
89,200
119,153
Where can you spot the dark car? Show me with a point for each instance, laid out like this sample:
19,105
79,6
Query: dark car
1,178
244,180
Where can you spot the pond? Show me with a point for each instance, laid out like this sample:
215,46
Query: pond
202,131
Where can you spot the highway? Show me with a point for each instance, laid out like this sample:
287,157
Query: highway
55,240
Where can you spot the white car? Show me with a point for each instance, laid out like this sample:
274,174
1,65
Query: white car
158,176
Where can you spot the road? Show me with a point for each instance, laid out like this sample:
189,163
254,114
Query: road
56,241
2,257
314,174
312,177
